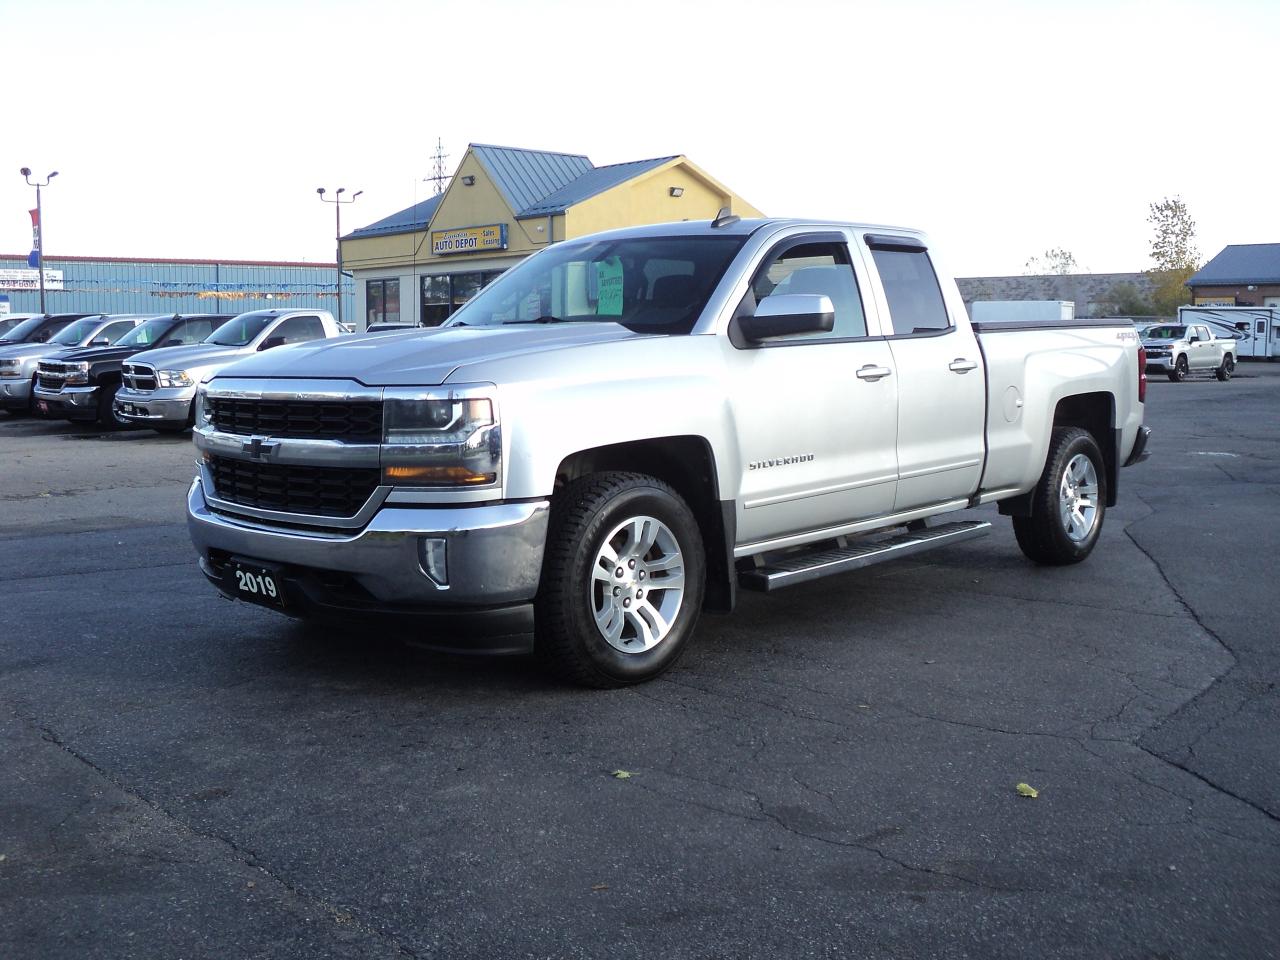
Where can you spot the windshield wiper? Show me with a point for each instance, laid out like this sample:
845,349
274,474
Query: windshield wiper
545,318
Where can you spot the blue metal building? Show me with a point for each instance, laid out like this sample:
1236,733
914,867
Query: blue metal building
118,285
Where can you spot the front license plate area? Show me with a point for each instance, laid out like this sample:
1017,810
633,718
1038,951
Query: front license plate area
257,584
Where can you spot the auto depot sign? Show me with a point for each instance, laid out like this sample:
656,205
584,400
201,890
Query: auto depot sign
24,279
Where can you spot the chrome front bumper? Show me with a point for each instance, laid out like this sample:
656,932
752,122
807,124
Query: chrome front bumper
493,554
169,406
15,393
1159,363
70,402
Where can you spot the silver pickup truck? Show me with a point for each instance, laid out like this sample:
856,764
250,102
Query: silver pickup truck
1179,349
627,428
159,387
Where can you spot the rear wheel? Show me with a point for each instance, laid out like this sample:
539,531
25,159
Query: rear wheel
1226,368
1180,370
1068,503
622,580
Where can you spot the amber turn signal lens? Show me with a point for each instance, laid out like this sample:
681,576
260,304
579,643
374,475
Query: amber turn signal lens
435,476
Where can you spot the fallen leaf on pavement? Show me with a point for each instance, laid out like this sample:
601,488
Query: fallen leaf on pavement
1026,790
621,775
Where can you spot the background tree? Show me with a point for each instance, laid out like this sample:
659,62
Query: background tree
1057,260
1173,254
1128,301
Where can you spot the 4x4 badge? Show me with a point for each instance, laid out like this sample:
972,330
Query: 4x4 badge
259,448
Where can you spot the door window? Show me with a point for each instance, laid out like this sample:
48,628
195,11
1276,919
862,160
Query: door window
114,331
816,268
188,332
299,330
911,287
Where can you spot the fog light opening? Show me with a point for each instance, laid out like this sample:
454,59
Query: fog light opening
433,553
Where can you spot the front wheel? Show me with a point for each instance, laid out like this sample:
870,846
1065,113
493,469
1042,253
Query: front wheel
1226,368
1068,503
1180,370
108,419
622,580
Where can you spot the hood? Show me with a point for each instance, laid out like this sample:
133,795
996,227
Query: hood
196,355
101,354
43,351
419,357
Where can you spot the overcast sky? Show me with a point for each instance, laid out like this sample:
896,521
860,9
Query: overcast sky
1003,128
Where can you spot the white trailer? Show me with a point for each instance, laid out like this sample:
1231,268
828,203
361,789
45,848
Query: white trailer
1256,328
1022,311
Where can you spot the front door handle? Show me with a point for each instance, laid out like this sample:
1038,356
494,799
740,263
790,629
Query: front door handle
961,365
872,372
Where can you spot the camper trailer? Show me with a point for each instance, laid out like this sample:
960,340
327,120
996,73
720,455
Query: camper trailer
1256,328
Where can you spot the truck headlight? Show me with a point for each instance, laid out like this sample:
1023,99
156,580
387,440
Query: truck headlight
10,368
440,438
77,373
173,378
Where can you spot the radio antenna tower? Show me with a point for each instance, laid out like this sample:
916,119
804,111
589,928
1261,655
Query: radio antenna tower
438,176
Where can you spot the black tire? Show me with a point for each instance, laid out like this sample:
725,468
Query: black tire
1180,370
107,418
1226,368
583,516
1044,536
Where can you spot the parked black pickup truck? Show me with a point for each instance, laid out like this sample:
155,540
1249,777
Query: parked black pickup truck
82,385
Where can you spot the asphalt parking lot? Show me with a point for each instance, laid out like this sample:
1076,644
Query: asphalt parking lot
830,772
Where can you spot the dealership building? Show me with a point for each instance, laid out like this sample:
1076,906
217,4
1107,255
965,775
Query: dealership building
503,203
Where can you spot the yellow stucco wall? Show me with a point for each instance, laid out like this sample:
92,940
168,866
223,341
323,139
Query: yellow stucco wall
647,199
644,199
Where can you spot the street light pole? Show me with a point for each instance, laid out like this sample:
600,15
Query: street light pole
337,202
26,174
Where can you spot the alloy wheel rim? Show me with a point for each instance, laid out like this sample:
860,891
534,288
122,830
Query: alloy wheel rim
637,584
1078,498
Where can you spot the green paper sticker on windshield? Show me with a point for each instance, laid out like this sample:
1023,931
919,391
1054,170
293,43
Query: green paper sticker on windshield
609,287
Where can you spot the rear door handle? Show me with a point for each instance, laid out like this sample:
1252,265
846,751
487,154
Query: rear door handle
961,365
872,372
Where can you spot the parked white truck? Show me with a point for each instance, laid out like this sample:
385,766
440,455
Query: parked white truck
626,428
1179,349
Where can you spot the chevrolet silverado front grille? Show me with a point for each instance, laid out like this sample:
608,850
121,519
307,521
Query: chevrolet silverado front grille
315,491
354,421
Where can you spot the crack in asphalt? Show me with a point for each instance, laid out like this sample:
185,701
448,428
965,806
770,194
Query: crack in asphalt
768,816
240,853
1213,684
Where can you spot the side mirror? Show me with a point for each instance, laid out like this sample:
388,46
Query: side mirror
1193,339
789,314
100,342
270,342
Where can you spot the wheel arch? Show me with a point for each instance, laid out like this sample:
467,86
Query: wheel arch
1096,413
688,464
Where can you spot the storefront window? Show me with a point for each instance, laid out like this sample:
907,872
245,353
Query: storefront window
435,301
442,295
382,301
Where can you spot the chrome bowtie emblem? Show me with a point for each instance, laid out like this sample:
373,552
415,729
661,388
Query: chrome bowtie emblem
259,448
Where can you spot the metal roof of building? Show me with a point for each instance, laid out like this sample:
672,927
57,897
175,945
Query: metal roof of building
406,221
593,181
1241,263
524,177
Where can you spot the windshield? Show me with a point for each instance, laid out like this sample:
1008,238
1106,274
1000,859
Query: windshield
1165,333
657,284
7,325
238,331
73,333
145,334
24,329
